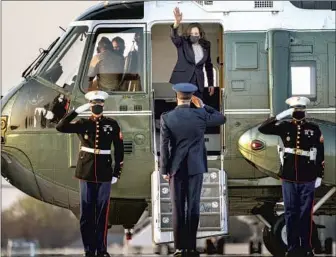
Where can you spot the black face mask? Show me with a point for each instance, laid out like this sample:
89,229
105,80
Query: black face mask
118,51
194,39
299,115
97,109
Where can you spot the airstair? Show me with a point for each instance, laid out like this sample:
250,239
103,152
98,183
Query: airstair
213,209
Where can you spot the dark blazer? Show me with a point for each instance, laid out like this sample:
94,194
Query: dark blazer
182,138
97,133
186,67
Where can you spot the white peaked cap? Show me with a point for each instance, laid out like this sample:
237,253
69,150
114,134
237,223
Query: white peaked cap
295,101
96,95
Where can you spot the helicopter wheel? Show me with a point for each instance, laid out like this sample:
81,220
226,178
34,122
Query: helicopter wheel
278,237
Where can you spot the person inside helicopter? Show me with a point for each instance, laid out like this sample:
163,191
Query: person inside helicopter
131,79
107,66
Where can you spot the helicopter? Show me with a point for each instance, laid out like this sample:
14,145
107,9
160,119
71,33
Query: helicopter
263,52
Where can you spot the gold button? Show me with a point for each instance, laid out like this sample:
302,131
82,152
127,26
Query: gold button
96,146
97,135
299,132
97,126
298,142
297,146
96,141
299,127
298,137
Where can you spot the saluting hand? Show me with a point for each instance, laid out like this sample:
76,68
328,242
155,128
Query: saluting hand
197,101
83,108
284,114
178,16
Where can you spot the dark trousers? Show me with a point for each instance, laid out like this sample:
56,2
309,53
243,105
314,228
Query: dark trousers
298,203
94,207
198,93
185,189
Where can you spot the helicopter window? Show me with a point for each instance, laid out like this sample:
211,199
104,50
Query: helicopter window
303,75
37,107
116,62
62,68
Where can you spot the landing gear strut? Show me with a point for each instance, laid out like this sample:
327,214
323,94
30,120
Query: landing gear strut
129,233
274,232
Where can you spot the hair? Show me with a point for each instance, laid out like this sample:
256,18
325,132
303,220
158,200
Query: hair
105,43
120,42
184,96
203,40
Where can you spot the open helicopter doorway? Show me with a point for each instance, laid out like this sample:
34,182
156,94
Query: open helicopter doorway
164,57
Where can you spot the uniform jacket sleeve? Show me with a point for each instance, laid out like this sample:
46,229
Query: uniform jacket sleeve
164,148
269,127
320,154
175,37
118,145
213,117
65,125
209,68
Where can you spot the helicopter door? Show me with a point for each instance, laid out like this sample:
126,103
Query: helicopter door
213,208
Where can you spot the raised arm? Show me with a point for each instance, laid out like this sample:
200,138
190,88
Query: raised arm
118,145
270,126
164,147
213,117
176,39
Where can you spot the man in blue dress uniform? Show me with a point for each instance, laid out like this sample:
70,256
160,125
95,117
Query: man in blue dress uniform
94,169
183,160
301,172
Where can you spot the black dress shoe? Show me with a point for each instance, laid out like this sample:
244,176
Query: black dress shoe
105,254
89,254
193,253
309,254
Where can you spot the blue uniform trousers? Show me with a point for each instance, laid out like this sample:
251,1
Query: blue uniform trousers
298,203
94,207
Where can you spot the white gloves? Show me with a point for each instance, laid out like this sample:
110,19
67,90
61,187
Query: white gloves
114,180
284,114
49,115
318,182
82,108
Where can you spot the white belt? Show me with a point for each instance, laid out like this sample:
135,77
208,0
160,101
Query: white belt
95,151
297,151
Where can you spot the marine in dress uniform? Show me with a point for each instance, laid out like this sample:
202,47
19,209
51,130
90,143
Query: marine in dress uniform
302,169
94,168
183,162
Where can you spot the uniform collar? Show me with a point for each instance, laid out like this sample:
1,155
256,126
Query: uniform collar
96,118
298,122
183,106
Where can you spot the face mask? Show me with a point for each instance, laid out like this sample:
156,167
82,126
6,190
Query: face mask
194,39
97,109
299,115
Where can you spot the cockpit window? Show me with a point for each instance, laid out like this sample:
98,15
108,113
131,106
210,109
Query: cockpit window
62,68
116,62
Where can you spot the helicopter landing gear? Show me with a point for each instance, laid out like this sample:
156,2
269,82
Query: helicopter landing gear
129,233
255,247
275,234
